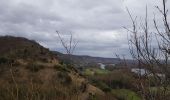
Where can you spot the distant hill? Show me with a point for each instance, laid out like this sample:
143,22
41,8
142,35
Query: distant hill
89,59
82,60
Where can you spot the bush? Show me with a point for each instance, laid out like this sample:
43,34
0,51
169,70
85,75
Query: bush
107,96
64,78
34,67
125,94
62,67
3,60
44,60
92,96
102,85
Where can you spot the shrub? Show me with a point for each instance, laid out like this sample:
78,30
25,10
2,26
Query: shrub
92,96
125,94
3,60
34,67
62,67
83,87
64,78
107,96
102,85
44,60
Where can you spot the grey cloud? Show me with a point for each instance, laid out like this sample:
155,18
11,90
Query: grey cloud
96,24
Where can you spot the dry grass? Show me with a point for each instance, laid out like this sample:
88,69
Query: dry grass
47,83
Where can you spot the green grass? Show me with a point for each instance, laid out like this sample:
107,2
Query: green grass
88,72
125,94
101,71
92,71
160,89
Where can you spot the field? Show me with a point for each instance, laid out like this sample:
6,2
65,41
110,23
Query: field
92,71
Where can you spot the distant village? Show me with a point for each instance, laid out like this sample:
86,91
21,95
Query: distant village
138,71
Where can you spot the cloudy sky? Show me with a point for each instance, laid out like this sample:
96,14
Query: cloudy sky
97,25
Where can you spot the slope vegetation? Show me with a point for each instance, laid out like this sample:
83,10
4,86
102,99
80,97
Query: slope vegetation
29,71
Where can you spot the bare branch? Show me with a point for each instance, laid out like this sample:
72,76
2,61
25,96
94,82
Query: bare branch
69,47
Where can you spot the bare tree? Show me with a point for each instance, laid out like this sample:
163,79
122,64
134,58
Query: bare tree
68,46
153,58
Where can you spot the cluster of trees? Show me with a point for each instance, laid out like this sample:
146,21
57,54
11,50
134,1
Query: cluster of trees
150,57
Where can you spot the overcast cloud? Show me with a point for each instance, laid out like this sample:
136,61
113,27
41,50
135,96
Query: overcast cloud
96,24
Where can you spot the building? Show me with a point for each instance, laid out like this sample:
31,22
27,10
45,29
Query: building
145,72
140,71
102,66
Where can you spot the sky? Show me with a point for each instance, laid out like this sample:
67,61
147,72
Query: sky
97,25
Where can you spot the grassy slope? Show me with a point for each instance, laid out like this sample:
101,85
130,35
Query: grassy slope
28,71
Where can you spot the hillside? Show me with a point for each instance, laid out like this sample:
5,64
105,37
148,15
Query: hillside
29,71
